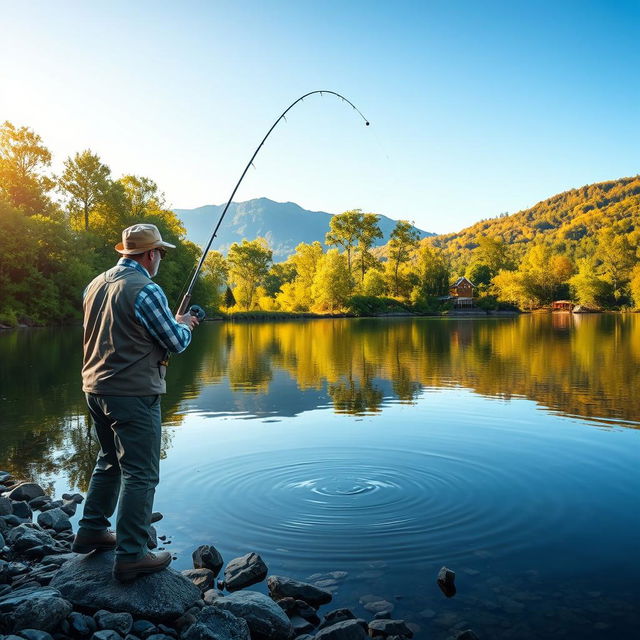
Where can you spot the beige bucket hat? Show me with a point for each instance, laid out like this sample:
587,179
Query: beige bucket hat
140,238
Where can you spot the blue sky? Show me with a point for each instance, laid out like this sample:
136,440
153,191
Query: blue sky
476,107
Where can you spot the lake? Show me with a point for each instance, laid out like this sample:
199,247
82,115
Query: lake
506,449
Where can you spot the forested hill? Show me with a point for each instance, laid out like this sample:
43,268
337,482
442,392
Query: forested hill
283,224
570,222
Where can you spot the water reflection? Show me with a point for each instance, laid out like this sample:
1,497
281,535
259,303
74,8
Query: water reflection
580,366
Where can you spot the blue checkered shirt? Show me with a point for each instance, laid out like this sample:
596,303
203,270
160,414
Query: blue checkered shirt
152,311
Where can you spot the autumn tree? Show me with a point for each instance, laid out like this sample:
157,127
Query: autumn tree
433,274
344,231
213,277
587,287
616,257
248,265
368,233
333,282
404,240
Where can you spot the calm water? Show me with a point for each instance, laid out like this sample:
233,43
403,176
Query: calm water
506,449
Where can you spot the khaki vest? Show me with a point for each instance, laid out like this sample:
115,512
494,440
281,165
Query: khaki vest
120,356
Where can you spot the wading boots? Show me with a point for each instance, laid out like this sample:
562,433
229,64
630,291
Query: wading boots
152,562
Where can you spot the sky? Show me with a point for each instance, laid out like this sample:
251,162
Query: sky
476,108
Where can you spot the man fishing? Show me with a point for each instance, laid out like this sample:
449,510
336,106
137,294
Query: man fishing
128,330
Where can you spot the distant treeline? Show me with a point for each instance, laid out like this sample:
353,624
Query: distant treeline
58,232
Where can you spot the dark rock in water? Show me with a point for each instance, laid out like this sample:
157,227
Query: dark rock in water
211,595
120,622
386,628
245,571
345,630
282,587
33,608
300,625
54,504
160,636
40,501
22,510
69,507
143,628
35,634
266,620
379,606
207,556
217,624
11,521
25,536
5,506
184,622
167,631
87,582
81,625
202,578
73,497
467,634
5,477
156,516
26,491
16,568
55,519
446,582
106,634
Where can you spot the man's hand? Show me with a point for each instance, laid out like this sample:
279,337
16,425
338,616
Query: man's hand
188,319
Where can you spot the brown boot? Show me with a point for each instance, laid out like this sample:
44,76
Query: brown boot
87,541
152,562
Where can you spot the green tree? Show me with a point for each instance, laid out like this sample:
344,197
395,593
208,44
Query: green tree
248,265
344,231
333,282
213,277
368,233
587,288
432,272
86,181
634,285
404,240
616,256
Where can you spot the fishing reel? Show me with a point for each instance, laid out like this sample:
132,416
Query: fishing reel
197,311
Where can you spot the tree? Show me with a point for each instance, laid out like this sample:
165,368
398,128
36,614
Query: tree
86,181
333,282
279,274
587,288
634,285
494,253
368,233
433,273
344,231
23,158
616,256
248,265
213,277
404,240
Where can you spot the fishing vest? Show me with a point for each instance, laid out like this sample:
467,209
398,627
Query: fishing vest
120,356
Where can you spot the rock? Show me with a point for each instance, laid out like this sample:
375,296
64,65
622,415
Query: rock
54,504
382,606
106,634
35,634
299,608
345,630
22,510
184,622
160,636
5,506
387,628
81,625
58,559
300,625
120,622
5,477
204,579
33,608
217,624
337,615
156,516
25,536
11,521
143,628
16,568
245,571
73,497
26,491
55,519
4,589
467,634
282,587
87,582
38,502
69,507
207,556
446,582
168,631
211,595
266,620
306,636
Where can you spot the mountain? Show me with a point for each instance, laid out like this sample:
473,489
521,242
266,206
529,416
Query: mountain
283,224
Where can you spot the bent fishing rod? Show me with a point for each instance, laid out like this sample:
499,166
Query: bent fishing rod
195,309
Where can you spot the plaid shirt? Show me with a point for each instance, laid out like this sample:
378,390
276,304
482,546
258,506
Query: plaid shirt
152,311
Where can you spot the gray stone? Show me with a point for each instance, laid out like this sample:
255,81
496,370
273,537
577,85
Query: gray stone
58,559
266,620
245,571
300,625
204,579
217,624
337,615
26,491
81,625
143,628
35,634
22,510
120,622
446,582
211,595
106,634
299,608
55,519
5,506
73,497
54,504
38,502
25,536
207,556
87,582
5,477
160,636
283,587
33,608
11,521
382,606
386,628
69,507
345,630
467,634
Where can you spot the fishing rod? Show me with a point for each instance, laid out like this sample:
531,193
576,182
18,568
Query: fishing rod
195,309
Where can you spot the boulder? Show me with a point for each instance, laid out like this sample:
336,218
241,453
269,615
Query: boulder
300,609
345,630
69,507
381,606
40,501
143,628
87,582
26,491
55,519
25,536
282,587
384,628
5,506
53,504
22,510
33,608
73,497
244,571
204,579
120,622
207,556
106,634
446,582
467,634
81,625
217,624
337,615
300,625
5,477
266,620
35,634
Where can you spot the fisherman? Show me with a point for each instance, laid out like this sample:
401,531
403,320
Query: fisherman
128,331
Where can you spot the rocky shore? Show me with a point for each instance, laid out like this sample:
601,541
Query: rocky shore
49,593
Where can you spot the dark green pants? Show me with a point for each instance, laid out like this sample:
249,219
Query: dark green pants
128,429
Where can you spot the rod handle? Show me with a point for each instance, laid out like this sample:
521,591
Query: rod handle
184,305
